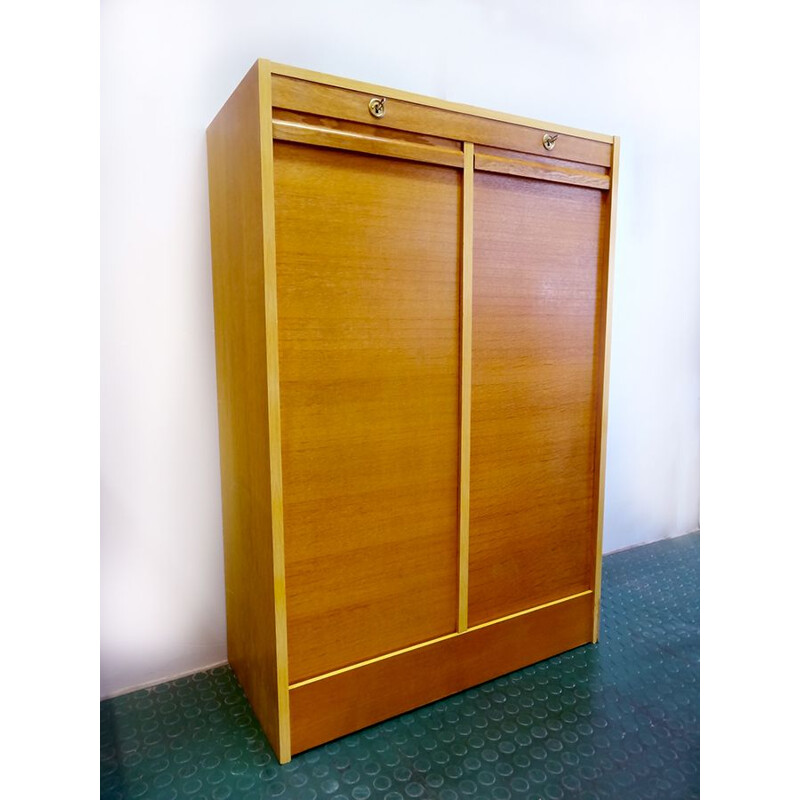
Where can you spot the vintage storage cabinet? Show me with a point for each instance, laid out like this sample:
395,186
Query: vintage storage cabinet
412,311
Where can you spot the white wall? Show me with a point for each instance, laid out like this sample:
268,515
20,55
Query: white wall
619,66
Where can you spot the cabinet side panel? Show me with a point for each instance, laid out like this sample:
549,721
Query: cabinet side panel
604,378
234,166
538,266
368,262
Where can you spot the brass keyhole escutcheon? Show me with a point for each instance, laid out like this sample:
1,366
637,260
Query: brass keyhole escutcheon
549,140
377,106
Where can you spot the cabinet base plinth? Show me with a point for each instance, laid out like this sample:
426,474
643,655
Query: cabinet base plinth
347,701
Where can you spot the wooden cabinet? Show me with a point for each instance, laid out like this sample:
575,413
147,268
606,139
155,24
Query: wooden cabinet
411,303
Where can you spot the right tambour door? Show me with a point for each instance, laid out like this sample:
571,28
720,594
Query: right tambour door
539,293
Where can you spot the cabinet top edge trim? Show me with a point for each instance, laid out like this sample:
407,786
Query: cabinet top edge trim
432,102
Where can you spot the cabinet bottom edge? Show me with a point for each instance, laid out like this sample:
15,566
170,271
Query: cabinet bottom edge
347,701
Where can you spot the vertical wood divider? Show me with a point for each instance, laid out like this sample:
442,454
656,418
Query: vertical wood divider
601,450
466,384
273,405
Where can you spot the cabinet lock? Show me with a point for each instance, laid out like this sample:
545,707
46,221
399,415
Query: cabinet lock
377,106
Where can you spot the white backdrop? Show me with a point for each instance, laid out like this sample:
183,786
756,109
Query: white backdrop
626,67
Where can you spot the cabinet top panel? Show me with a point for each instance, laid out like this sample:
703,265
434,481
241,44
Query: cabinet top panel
422,100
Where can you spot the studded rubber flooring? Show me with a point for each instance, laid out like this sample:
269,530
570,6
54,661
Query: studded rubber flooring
618,720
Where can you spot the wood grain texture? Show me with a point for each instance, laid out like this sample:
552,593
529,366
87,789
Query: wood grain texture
360,143
540,170
466,384
328,708
551,160
604,378
538,257
274,409
368,254
413,338
418,99
235,197
365,129
331,101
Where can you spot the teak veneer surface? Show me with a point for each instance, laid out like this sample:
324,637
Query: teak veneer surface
317,98
235,188
364,695
368,314
364,129
412,337
361,142
603,383
537,263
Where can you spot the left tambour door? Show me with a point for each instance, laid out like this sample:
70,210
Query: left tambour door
368,266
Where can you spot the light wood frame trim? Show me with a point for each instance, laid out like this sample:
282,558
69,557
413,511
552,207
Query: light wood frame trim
541,171
361,143
603,432
273,407
466,384
423,100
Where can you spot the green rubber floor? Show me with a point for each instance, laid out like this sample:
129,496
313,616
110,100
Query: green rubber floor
619,719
